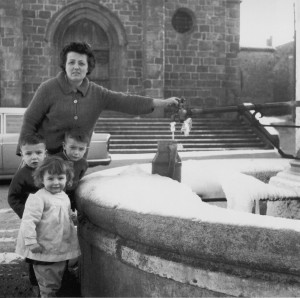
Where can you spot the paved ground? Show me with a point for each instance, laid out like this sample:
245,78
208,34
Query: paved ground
13,271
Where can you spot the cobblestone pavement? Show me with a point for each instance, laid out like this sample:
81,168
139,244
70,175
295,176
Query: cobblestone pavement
9,227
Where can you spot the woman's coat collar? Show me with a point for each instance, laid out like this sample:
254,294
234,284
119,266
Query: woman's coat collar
67,88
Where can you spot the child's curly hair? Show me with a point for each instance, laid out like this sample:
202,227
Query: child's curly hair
53,165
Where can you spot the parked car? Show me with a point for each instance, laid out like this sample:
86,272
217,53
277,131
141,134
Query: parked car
10,127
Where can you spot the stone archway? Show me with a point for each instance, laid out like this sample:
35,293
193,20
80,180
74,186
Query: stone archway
106,26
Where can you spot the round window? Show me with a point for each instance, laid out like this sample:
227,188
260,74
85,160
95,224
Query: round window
182,21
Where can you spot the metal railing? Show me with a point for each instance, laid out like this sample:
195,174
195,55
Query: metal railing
247,111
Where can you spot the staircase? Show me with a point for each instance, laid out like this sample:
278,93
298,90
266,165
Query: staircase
140,135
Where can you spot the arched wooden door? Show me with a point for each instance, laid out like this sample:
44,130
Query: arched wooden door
88,31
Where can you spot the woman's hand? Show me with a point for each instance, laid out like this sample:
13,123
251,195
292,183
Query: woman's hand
35,248
168,102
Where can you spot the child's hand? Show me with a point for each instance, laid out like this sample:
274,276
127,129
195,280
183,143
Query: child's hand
73,217
35,248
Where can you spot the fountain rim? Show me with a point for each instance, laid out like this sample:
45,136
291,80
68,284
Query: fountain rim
248,246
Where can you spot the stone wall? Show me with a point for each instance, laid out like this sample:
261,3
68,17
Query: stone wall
11,58
202,64
146,54
42,56
284,73
133,248
257,77
267,74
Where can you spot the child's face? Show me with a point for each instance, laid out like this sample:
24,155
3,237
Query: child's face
74,149
54,183
33,155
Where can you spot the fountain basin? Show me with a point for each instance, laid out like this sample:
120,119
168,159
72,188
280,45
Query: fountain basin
202,251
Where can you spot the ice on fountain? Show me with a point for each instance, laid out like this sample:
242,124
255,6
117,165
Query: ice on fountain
204,179
134,188
219,179
186,126
137,190
214,178
242,190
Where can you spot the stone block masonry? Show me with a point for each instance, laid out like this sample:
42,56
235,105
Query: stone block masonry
257,65
150,47
211,46
10,52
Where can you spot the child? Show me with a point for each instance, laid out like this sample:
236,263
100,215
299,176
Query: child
47,235
74,148
33,152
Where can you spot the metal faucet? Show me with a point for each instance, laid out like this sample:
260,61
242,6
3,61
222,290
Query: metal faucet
181,112
181,116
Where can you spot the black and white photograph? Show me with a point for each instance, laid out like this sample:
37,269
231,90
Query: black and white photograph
149,148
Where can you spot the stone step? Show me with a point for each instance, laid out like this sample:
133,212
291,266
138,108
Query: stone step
165,120
182,137
179,134
195,129
137,150
189,142
155,125
141,122
140,135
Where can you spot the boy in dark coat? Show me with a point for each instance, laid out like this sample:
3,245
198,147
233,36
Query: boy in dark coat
75,146
33,152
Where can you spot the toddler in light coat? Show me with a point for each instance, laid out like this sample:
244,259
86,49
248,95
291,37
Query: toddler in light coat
47,234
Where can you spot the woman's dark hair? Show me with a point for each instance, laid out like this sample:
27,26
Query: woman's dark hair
54,165
80,48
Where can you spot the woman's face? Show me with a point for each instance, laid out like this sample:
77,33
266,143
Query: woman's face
76,67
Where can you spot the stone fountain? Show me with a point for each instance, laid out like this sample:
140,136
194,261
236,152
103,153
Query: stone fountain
147,235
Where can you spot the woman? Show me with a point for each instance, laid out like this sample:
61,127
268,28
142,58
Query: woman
71,101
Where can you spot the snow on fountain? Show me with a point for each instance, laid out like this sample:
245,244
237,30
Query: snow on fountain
134,188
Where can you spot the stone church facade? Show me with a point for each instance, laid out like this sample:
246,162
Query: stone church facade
159,48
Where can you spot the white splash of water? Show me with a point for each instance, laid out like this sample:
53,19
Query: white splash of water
172,128
186,126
